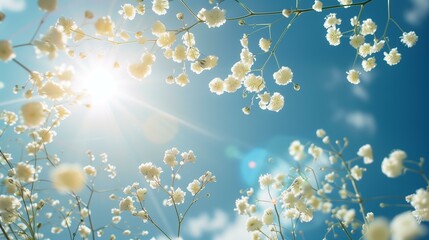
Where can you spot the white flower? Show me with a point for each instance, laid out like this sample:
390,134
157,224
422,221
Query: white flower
150,171
393,165
357,172
46,135
160,6
268,216
276,102
296,150
143,67
188,157
127,204
84,231
204,64
369,64
68,178
368,27
9,206
166,39
353,76
331,21
158,28
366,152
356,41
404,226
54,40
330,177
315,151
33,114
177,197
283,76
90,170
188,39
320,133
365,49
377,46
182,80
242,205
254,83
377,230
9,118
253,224
194,187
231,84
47,5
265,44
345,2
333,36
393,57
128,11
265,181
25,172
409,38
179,53
286,13
216,86
67,25
105,26
213,18
240,69
420,202
52,91
317,6
6,51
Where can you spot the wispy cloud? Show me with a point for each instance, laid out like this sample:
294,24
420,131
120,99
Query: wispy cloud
358,120
12,5
205,223
417,14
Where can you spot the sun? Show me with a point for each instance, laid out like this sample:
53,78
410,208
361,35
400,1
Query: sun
100,85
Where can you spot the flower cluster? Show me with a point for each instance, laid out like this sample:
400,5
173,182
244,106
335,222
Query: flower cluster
134,201
287,199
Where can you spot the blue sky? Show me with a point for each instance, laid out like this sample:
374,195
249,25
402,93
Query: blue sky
388,110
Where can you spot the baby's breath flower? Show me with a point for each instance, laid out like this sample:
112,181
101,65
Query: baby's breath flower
369,64
68,178
182,80
105,26
317,6
127,11
409,38
393,165
253,224
265,44
366,152
160,7
368,27
33,114
47,5
333,36
356,41
276,102
6,51
283,76
213,18
353,76
216,86
331,21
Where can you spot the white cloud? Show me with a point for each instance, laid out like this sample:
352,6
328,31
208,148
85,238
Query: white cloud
12,5
418,12
197,226
360,92
360,121
234,230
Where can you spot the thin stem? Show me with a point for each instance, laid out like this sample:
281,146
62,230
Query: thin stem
22,65
38,27
189,9
4,232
